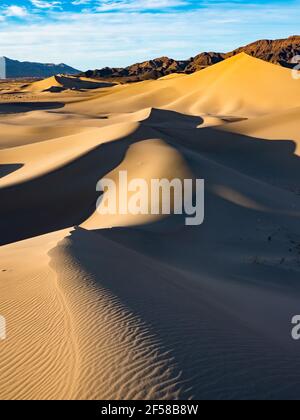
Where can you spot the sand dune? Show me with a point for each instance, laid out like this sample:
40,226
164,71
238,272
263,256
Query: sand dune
171,76
60,83
20,135
276,126
139,164
41,158
138,306
223,89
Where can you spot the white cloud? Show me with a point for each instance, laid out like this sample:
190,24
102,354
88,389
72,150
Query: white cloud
80,2
15,11
41,4
138,5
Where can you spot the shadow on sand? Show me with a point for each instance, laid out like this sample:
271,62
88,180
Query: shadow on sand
21,107
8,169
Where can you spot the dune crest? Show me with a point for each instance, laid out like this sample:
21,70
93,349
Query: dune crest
60,83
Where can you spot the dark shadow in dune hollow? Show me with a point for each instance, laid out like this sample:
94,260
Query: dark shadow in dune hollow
60,199
21,107
161,118
9,168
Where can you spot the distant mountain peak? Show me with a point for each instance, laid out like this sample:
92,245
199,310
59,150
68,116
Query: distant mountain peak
10,68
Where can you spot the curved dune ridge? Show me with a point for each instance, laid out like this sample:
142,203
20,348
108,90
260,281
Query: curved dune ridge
64,320
60,83
138,306
139,164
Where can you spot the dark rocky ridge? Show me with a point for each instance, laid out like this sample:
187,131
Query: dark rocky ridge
279,52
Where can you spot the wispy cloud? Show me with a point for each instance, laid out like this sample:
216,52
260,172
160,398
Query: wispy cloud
139,5
80,2
41,4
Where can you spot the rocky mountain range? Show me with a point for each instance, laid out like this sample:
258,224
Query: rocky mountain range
10,69
279,52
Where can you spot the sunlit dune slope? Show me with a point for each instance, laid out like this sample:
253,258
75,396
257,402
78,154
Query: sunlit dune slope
283,125
60,83
223,89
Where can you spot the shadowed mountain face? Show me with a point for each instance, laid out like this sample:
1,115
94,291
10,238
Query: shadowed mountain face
279,52
152,69
16,69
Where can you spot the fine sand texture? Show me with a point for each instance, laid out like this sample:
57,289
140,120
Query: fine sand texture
142,306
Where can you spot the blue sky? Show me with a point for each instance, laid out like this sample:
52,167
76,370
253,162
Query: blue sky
97,33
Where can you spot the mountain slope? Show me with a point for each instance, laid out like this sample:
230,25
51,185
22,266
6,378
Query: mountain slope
152,69
15,69
279,51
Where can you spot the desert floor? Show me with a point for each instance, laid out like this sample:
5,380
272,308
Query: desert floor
136,307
